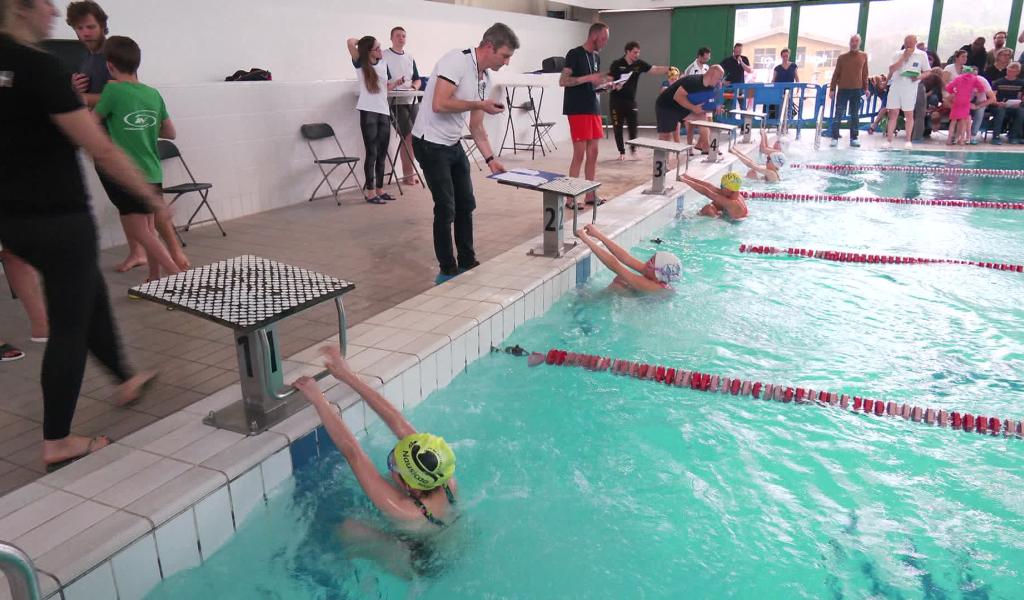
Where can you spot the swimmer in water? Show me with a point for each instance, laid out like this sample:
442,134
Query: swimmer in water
417,495
767,148
726,200
770,171
631,273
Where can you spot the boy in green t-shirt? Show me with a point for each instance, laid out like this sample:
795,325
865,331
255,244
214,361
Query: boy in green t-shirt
135,117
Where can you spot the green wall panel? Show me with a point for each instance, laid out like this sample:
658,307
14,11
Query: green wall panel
696,26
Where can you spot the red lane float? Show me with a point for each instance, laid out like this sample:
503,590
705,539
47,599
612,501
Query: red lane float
769,195
1011,173
707,382
888,259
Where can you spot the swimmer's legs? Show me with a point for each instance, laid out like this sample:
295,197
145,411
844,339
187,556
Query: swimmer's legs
710,210
364,541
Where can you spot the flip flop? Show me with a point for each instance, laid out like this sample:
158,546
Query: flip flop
9,353
598,200
376,200
145,388
50,468
579,205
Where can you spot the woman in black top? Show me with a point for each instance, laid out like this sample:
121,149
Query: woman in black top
45,218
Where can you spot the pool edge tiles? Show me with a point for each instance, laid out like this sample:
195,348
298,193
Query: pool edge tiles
166,497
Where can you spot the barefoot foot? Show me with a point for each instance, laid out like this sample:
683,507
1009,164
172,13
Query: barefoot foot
133,390
57,453
130,263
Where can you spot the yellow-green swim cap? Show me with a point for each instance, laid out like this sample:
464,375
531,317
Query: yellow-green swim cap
424,461
731,181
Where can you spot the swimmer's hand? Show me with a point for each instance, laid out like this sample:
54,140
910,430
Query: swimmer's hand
336,364
593,230
310,389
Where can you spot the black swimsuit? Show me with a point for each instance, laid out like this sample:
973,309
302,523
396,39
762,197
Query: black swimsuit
426,512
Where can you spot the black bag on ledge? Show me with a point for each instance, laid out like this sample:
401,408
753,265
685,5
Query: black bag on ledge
253,74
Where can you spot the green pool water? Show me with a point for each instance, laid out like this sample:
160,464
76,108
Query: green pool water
587,485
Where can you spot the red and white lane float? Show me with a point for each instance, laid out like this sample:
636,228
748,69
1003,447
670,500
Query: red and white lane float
882,259
737,386
769,195
1011,173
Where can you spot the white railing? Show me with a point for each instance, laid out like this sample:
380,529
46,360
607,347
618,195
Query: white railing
21,575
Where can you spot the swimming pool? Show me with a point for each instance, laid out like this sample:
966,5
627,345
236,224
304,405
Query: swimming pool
578,484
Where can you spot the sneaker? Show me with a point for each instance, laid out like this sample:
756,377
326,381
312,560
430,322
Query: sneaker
855,143
446,274
908,145
834,143
472,265
997,141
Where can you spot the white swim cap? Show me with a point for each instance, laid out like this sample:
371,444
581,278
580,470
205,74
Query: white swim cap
778,159
667,267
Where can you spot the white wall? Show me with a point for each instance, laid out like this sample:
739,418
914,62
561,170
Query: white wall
243,137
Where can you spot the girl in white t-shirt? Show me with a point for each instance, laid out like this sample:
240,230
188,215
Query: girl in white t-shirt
374,116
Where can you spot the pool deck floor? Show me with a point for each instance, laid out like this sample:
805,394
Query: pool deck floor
385,250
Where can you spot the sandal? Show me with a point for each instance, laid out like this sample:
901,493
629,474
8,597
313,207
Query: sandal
596,200
571,204
9,353
51,467
376,200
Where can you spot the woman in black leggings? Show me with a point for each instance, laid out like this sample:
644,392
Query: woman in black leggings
45,219
374,116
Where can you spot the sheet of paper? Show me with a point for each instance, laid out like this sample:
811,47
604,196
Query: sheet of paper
1012,103
618,81
524,171
520,178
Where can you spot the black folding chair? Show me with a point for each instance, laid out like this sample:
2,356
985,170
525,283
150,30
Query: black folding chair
167,150
319,131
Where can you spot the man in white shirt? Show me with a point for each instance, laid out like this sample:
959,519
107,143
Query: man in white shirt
459,83
401,65
904,72
699,66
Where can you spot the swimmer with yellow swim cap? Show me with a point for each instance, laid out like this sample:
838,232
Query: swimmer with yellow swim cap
726,198
418,494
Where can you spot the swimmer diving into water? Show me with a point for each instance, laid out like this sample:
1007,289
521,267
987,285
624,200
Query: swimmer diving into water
631,273
418,495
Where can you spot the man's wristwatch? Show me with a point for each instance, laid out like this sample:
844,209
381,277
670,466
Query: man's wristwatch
488,160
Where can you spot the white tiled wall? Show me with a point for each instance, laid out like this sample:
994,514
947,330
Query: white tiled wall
98,584
177,543
246,495
136,570
213,521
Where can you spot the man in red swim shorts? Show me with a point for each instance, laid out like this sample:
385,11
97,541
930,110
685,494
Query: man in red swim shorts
581,78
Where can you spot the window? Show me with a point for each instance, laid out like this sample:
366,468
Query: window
888,23
825,32
826,59
763,33
801,56
764,58
964,20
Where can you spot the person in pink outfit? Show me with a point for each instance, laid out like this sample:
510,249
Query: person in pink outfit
963,88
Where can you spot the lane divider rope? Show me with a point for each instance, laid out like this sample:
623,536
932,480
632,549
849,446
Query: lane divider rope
1011,173
889,259
768,195
711,383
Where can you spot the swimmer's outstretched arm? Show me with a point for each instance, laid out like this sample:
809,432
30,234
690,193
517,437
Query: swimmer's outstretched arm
617,251
746,160
765,148
384,496
391,416
638,282
699,185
